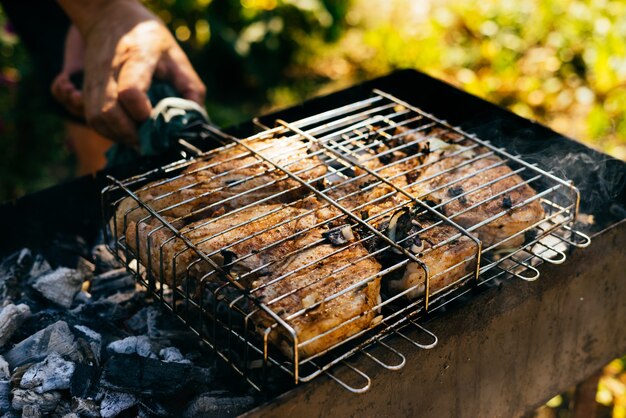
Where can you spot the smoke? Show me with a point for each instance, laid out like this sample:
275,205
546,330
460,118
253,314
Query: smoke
600,178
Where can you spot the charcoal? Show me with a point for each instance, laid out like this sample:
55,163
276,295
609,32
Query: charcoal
148,376
167,329
31,411
153,408
47,402
62,409
218,404
93,339
138,323
111,282
54,338
115,403
39,267
85,380
39,320
172,355
114,308
5,392
103,259
82,298
87,408
52,373
140,345
11,318
5,373
60,286
12,270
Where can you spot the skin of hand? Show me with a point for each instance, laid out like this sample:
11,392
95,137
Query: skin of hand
73,61
125,45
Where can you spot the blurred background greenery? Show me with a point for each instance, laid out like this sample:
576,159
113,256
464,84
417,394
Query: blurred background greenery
561,62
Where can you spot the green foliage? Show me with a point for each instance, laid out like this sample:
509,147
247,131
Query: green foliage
32,155
561,62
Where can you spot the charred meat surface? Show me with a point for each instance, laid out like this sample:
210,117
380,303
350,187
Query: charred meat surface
229,178
474,185
282,251
303,289
447,254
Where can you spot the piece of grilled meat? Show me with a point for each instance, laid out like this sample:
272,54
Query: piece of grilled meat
460,175
226,179
447,254
326,293
283,251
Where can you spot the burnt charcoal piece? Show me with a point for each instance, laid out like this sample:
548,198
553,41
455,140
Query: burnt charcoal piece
147,376
140,345
46,402
60,286
92,338
138,323
54,338
52,373
85,381
114,308
506,202
4,369
115,403
12,270
399,225
32,411
5,392
103,259
111,282
218,404
11,318
172,355
87,408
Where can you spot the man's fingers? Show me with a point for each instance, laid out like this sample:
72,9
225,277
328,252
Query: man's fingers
183,77
133,82
114,123
68,95
136,103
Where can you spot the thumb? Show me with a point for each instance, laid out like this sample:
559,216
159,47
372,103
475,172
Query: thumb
133,82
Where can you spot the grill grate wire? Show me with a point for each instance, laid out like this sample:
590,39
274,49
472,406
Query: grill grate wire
344,161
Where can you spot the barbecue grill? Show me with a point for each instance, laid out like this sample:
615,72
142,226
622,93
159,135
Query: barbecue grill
345,139
571,316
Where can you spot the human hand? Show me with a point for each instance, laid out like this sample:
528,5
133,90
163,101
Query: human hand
124,47
73,61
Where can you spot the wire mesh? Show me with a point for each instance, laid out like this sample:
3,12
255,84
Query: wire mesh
293,250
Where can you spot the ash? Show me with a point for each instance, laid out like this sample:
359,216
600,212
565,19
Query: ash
78,338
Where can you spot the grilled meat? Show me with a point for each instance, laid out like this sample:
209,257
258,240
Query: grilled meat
367,196
227,179
448,256
304,289
239,235
258,250
459,175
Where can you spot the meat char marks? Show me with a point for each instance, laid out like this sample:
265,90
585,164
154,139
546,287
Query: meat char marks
280,254
474,186
226,179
